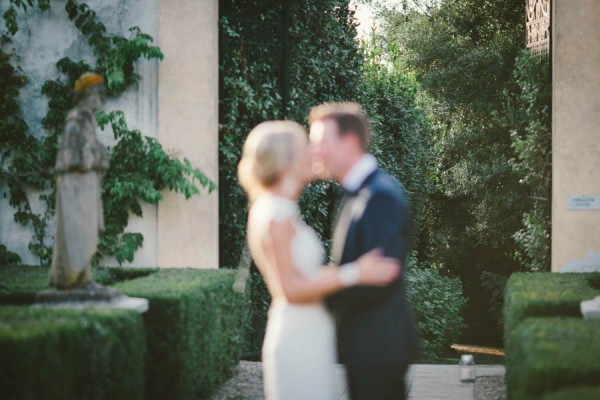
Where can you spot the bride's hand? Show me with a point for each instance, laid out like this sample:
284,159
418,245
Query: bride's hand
377,270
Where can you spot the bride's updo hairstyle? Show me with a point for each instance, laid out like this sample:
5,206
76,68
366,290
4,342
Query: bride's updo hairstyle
270,148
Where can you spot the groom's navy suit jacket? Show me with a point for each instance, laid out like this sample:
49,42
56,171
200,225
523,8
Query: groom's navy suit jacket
375,326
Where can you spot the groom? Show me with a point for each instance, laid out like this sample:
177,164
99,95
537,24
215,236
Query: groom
377,338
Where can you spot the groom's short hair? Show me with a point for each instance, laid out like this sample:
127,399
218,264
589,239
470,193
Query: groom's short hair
349,117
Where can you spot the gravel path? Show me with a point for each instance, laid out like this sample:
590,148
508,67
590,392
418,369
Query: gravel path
490,388
246,384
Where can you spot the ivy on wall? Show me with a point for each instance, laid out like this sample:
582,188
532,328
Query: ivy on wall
139,167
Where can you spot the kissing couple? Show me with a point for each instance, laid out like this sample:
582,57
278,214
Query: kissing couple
355,310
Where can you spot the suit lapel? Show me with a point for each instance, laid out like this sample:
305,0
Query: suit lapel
341,229
345,218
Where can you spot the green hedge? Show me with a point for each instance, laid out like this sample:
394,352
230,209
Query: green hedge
548,354
194,326
576,393
546,294
70,354
551,350
194,330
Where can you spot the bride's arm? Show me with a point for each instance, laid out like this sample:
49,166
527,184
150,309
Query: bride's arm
295,286
298,288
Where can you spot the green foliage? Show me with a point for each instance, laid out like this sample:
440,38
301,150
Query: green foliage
194,329
437,302
321,46
550,354
140,168
10,15
487,104
533,147
402,140
71,354
7,257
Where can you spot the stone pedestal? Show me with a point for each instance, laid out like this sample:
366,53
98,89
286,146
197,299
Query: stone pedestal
575,134
97,298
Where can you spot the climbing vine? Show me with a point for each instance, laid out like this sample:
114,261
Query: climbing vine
139,167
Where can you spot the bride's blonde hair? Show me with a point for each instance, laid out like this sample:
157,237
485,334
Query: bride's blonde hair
270,148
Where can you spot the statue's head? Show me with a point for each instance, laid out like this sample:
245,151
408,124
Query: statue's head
90,91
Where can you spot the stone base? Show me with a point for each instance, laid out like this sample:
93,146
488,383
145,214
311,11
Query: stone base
92,292
94,296
124,303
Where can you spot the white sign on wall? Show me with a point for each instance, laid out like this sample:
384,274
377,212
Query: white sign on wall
583,203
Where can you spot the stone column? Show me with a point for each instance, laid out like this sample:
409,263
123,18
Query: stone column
188,231
576,134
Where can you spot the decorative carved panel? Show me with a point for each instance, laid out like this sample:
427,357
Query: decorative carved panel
538,26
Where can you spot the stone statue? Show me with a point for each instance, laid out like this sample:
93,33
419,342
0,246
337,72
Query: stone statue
80,164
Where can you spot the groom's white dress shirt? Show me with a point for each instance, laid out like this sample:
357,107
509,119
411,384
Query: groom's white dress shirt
359,172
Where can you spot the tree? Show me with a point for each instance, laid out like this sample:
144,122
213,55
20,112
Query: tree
463,54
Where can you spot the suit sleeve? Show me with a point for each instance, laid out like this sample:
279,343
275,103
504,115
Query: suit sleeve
383,225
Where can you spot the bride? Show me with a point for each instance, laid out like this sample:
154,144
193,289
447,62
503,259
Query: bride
299,351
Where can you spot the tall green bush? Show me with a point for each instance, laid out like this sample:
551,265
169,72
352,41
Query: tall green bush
324,64
402,133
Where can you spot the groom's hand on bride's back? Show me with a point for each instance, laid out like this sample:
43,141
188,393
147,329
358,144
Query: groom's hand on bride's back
377,270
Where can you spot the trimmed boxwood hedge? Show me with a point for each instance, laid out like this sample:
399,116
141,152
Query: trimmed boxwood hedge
546,294
577,393
195,329
552,353
551,350
194,326
70,354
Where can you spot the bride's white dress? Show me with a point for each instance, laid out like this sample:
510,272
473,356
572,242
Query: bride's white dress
299,350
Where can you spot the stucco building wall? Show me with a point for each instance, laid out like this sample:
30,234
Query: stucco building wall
575,133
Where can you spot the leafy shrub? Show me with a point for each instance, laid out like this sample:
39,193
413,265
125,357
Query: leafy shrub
194,330
7,257
71,354
437,302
